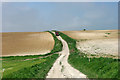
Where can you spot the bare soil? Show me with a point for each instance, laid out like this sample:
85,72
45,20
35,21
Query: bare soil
96,41
26,43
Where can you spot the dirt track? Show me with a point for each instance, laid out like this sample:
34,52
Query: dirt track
61,68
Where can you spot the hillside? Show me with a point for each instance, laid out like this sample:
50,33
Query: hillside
26,43
101,42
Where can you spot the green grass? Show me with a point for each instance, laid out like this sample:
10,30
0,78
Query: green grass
0,68
32,66
108,33
96,67
58,44
37,68
62,68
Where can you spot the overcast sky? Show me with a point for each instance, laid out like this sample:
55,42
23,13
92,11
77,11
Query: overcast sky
42,16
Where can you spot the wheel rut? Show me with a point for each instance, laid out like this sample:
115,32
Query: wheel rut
61,68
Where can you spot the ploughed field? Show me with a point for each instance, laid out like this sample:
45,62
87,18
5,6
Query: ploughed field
37,66
26,43
96,42
30,66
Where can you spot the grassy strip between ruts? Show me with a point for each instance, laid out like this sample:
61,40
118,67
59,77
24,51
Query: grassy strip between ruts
94,67
20,67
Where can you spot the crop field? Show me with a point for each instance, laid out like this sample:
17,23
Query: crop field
30,66
102,67
26,43
96,42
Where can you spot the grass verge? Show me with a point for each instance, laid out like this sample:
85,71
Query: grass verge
92,67
32,66
58,44
37,68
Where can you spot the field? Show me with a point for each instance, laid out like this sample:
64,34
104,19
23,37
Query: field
98,42
30,66
26,43
92,67
33,65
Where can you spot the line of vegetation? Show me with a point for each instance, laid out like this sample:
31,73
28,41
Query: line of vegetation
31,66
58,44
92,67
108,33
37,68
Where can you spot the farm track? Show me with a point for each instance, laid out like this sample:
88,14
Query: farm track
61,68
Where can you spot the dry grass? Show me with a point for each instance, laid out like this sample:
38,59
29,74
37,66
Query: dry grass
96,41
26,43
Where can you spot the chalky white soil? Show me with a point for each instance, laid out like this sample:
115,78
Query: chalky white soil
96,41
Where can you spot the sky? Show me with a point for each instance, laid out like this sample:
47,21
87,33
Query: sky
42,16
